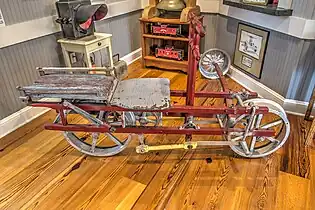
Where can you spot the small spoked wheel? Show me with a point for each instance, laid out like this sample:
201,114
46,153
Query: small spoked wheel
256,147
149,118
206,67
98,144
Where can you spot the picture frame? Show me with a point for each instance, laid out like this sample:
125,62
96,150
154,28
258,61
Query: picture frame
250,49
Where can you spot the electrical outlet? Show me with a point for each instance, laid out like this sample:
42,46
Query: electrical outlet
73,58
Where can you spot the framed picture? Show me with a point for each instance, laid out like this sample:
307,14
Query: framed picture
250,49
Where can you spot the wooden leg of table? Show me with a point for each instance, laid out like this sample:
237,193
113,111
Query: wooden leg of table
87,59
310,135
110,54
310,106
66,57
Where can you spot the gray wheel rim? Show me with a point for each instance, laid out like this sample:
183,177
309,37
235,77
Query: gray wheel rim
86,148
270,148
218,56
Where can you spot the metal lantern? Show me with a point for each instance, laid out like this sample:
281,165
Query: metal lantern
77,17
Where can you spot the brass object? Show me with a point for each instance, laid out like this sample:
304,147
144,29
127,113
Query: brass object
171,5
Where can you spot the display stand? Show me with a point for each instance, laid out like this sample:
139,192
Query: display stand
86,46
146,38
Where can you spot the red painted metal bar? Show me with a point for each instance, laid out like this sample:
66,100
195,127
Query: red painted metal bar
205,94
62,117
224,84
155,130
194,110
191,76
222,80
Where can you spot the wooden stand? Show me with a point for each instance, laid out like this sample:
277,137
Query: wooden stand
146,38
86,46
149,16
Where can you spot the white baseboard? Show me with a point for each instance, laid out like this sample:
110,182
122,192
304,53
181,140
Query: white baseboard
291,106
27,114
132,57
20,118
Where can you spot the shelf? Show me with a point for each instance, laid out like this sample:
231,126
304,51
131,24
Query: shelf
163,20
153,58
166,37
165,63
270,9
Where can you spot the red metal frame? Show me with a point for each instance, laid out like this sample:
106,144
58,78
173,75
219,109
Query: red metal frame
196,31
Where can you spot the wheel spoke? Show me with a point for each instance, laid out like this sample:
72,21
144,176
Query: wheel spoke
272,124
273,140
254,139
95,137
245,147
114,139
151,121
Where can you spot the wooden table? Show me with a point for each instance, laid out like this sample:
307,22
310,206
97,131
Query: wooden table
86,46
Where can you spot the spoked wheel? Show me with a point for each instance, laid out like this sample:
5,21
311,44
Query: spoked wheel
211,56
256,147
98,144
149,118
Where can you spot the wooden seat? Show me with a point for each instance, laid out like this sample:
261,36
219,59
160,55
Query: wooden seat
73,86
143,94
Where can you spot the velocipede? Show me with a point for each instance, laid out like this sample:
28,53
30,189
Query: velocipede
114,109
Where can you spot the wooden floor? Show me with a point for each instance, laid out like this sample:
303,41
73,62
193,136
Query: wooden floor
39,170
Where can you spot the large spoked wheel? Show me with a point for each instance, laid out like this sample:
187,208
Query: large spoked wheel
98,144
256,147
211,56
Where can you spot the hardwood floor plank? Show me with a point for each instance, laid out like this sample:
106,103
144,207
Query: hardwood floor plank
159,190
295,159
19,136
310,139
123,195
312,179
293,192
26,185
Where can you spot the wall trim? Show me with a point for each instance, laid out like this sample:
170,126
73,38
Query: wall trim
291,106
27,114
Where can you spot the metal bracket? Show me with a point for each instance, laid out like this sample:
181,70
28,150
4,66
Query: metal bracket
190,124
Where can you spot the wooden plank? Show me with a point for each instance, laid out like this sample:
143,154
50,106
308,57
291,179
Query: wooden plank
17,137
312,178
166,37
123,195
293,192
152,61
295,156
